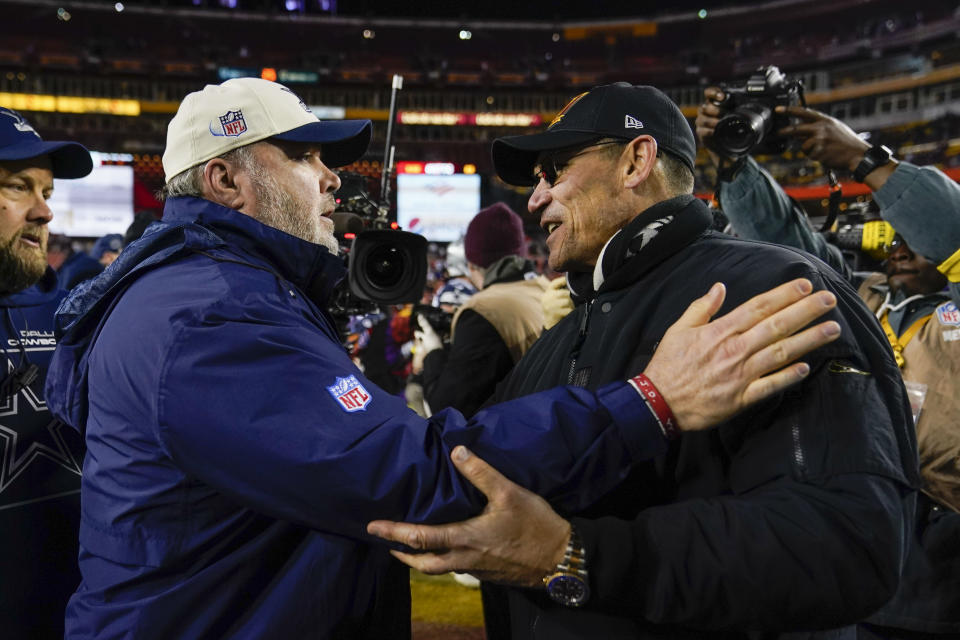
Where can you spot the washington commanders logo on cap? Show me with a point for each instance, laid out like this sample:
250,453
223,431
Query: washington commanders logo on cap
350,394
231,124
563,111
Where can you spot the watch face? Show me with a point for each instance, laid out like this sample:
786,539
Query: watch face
568,590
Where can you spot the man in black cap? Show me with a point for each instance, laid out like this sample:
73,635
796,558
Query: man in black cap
39,455
790,517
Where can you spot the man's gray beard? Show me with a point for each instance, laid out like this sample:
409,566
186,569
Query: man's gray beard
282,210
20,269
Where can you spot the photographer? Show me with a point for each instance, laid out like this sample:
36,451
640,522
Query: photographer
912,302
495,326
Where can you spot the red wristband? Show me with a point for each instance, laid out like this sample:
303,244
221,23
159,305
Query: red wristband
658,406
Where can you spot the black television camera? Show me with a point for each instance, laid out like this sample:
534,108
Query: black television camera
752,123
384,265
440,320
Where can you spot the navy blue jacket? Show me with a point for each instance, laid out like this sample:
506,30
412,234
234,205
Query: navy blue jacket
39,476
235,454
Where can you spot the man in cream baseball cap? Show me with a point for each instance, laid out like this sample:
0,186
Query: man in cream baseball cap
253,146
242,111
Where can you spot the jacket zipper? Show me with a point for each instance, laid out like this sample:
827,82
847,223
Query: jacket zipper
581,338
798,450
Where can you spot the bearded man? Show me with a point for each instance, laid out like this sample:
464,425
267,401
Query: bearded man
39,456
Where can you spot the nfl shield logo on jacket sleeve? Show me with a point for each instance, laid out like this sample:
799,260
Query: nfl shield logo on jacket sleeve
350,394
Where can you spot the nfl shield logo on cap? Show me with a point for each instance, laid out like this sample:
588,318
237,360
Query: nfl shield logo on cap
232,123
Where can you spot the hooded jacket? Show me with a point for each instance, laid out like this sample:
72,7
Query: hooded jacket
235,454
789,517
39,475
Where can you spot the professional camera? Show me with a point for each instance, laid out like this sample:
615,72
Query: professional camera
751,124
440,320
862,236
873,237
384,265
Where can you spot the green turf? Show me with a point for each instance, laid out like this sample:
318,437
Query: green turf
439,599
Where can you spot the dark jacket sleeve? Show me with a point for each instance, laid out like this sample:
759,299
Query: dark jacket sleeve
759,209
466,375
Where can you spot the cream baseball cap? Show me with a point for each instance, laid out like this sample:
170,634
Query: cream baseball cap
242,111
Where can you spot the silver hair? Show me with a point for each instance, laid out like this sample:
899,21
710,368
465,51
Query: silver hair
677,176
190,181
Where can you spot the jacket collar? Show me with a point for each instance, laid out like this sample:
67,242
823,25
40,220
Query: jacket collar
894,302
297,260
650,238
508,269
46,289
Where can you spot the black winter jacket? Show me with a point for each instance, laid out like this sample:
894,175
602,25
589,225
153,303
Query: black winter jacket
789,517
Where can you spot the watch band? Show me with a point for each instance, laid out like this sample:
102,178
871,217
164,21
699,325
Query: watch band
874,158
569,583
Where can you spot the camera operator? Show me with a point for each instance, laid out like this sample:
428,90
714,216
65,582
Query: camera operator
912,302
495,326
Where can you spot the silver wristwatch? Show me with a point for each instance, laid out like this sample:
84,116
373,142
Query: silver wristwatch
569,584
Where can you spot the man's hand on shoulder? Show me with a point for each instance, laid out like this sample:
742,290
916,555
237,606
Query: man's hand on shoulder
707,371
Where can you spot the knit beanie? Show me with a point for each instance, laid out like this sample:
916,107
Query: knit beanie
494,232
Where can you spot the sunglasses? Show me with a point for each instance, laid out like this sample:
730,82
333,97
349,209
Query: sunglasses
552,164
893,245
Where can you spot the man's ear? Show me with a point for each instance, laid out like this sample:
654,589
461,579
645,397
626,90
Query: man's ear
638,160
224,184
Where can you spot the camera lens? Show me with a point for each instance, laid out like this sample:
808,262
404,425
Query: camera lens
739,132
385,266
388,266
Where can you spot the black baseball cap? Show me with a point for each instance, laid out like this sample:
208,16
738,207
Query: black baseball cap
19,141
619,110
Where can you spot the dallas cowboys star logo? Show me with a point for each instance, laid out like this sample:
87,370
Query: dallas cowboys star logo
28,436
